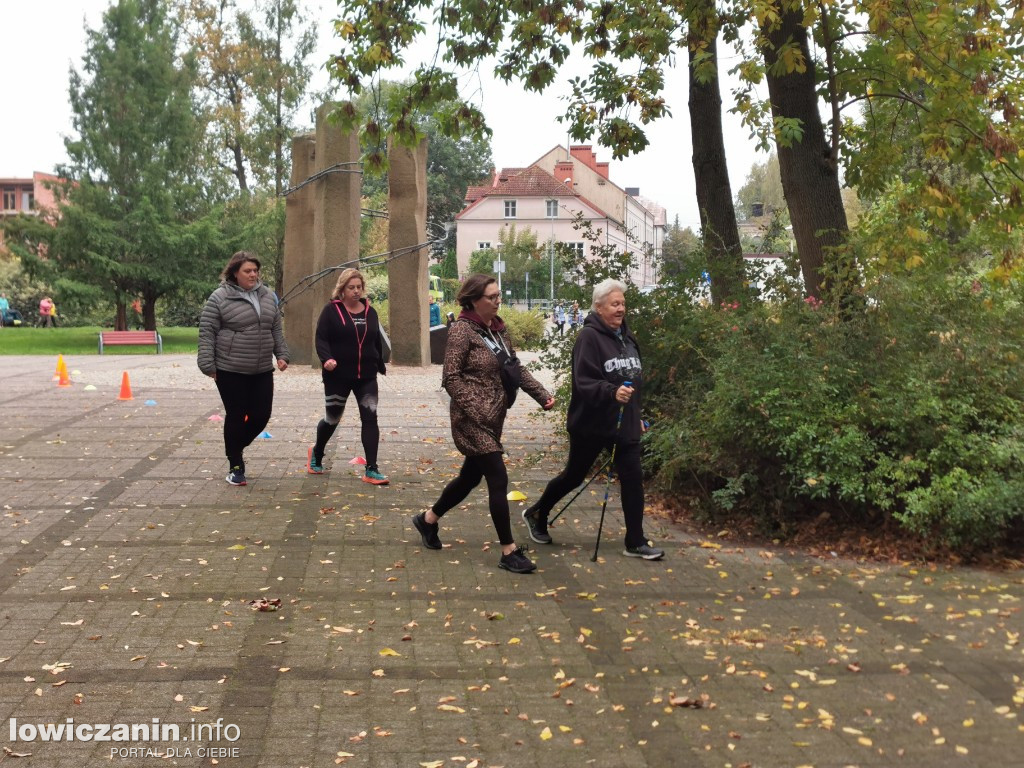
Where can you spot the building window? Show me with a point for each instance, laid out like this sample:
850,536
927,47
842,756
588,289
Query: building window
552,209
10,199
577,249
483,245
28,200
510,209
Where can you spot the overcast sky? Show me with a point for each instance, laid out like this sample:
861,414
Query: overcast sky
42,39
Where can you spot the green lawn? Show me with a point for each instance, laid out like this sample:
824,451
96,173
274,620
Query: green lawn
85,341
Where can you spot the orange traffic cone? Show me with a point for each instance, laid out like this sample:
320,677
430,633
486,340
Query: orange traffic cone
60,367
126,388
65,380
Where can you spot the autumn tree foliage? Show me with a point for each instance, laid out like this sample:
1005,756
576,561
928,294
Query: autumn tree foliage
133,222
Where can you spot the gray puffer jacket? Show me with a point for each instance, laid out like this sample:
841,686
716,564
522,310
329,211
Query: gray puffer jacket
232,337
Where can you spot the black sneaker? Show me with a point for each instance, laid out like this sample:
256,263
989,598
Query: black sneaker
538,527
428,531
236,476
645,550
517,562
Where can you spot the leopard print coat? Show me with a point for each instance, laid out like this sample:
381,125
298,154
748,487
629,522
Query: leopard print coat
471,376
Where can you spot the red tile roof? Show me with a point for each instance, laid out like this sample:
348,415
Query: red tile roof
520,182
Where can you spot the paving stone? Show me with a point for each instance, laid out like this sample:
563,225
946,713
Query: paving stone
127,566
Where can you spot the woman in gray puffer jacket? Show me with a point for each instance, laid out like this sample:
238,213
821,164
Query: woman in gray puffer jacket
240,334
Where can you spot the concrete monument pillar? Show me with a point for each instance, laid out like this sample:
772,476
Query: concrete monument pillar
336,205
407,272
298,254
322,227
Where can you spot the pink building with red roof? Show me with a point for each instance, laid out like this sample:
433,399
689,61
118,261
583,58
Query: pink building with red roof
30,196
546,196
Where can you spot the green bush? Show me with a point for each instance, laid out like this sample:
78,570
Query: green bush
525,329
909,411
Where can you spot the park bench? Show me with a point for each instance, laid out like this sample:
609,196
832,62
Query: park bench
130,338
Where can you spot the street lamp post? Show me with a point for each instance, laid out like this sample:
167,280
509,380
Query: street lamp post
499,267
551,255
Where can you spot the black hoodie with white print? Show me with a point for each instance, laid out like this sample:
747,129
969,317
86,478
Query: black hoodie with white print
602,360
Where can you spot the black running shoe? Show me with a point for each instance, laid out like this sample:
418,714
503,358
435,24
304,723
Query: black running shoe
236,476
538,527
428,531
517,562
646,551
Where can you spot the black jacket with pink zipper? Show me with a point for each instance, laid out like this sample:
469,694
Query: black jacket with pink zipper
357,349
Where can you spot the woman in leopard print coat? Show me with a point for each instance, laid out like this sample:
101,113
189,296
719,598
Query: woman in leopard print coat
477,343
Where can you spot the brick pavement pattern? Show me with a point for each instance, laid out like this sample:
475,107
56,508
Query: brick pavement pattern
127,568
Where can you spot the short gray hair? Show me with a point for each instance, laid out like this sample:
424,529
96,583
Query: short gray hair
606,287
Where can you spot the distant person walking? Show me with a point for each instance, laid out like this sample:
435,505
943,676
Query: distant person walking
483,376
240,334
5,307
575,317
351,352
47,312
560,319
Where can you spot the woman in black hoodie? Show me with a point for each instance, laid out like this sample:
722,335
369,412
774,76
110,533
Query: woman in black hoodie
349,345
604,411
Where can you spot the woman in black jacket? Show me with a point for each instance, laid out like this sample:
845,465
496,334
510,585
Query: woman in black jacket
350,348
240,335
604,412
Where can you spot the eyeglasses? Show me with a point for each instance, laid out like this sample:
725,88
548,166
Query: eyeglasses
492,296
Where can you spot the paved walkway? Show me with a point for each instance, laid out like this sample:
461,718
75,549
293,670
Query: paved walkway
127,566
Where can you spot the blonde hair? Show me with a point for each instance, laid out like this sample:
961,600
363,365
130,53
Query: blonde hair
344,278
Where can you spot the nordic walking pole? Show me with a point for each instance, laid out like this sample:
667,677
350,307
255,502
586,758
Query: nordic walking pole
608,482
593,477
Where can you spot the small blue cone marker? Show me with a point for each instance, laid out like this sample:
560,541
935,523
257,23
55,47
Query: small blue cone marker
266,436
150,402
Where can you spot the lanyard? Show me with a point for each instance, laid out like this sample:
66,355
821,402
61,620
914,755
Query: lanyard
355,328
495,343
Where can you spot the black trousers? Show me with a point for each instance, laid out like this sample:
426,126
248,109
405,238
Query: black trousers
244,394
583,452
489,466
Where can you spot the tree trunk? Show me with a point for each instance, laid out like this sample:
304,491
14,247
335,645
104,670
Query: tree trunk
720,235
120,316
810,176
149,313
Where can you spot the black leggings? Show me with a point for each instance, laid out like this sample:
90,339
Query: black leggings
336,392
582,454
244,394
490,466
